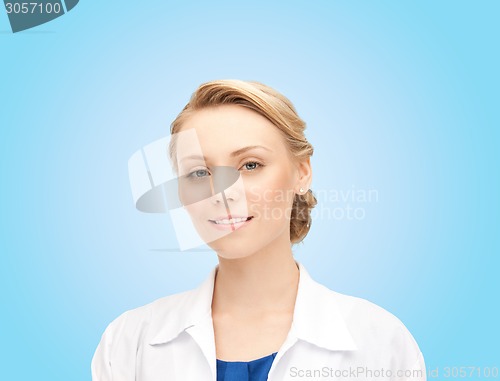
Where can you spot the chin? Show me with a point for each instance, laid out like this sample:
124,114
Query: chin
231,247
233,256
227,249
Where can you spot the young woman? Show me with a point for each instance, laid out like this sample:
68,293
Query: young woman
259,315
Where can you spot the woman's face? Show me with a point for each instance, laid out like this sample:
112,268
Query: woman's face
263,194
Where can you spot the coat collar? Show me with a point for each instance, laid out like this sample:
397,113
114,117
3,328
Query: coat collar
317,318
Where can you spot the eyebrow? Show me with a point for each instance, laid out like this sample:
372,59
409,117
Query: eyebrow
236,153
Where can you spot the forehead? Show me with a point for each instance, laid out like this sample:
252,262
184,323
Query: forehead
227,128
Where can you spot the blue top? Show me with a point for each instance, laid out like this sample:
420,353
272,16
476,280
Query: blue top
255,370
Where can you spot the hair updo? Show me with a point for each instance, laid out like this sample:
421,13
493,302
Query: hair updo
279,111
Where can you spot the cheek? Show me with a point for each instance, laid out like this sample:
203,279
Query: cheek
272,192
200,211
195,210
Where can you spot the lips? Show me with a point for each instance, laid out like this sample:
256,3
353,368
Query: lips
231,219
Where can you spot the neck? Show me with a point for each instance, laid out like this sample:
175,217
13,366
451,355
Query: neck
259,284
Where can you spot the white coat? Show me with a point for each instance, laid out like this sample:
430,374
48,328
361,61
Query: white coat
333,336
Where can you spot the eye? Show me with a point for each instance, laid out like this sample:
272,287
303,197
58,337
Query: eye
199,173
252,165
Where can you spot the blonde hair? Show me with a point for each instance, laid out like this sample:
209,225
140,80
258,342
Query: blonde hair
279,111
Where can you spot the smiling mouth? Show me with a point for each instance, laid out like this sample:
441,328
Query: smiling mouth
232,221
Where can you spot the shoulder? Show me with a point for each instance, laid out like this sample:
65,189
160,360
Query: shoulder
127,334
362,315
137,321
362,311
159,320
375,328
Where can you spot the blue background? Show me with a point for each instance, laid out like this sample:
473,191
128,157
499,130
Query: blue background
399,96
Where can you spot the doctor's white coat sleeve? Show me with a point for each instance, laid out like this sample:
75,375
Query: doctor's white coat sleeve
113,359
115,356
101,362
419,370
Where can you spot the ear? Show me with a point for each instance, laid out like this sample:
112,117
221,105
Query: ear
304,176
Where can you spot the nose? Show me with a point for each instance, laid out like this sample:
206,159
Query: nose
225,184
231,193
